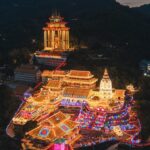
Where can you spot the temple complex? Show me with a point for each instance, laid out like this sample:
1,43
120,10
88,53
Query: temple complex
70,110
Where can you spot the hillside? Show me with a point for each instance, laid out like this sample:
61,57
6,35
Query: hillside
144,10
98,22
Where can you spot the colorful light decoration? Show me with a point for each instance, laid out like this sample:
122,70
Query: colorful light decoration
44,132
68,102
98,119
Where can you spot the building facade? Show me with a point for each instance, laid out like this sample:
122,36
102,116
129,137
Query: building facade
56,34
56,42
27,73
72,78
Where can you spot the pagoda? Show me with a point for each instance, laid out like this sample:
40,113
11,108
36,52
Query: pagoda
56,34
56,42
106,86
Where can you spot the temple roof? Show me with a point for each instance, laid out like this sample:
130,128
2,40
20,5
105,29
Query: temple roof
26,69
73,92
46,73
59,72
53,84
57,126
119,93
80,74
53,73
56,118
39,98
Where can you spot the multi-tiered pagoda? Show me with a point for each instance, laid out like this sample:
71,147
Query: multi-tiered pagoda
56,34
56,42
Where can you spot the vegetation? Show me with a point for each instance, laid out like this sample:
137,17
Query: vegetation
9,105
143,97
21,130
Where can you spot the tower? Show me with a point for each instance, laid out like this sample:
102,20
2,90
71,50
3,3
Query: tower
105,86
56,34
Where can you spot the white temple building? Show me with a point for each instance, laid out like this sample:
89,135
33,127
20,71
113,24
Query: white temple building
105,88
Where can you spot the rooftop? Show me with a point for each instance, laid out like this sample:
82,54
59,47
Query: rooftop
26,69
54,127
54,84
80,74
73,92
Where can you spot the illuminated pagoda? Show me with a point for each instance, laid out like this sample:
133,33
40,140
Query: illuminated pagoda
106,86
56,42
56,34
106,97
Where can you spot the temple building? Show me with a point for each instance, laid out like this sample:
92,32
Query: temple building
54,87
82,79
58,127
76,94
106,97
56,34
71,111
72,78
51,58
27,73
56,42
106,86
56,74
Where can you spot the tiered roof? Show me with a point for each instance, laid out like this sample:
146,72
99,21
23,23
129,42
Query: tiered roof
56,118
39,98
56,73
56,22
56,127
76,92
52,54
53,84
79,74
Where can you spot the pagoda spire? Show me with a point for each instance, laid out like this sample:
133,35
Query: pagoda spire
55,13
105,75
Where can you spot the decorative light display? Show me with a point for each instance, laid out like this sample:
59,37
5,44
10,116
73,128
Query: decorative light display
44,132
115,121
68,102
64,127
